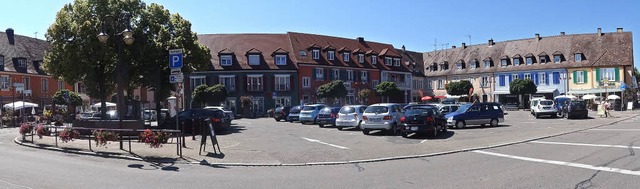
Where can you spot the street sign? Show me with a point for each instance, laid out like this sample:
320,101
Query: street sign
274,94
176,78
623,86
175,58
176,71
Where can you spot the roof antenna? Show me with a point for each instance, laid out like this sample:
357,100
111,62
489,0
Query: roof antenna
35,35
435,45
469,36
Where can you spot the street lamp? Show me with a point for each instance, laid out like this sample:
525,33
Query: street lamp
123,21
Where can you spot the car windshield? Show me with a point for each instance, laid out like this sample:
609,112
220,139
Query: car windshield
578,103
546,102
295,110
418,111
325,111
347,110
308,108
376,109
463,108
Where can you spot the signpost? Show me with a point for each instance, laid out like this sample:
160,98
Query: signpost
175,63
623,86
214,139
175,58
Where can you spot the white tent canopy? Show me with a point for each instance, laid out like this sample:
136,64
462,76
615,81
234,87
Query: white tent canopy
589,97
566,96
98,105
19,105
613,97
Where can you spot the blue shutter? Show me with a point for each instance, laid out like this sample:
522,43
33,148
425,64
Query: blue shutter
326,75
510,78
534,76
521,76
556,78
331,75
501,80
546,74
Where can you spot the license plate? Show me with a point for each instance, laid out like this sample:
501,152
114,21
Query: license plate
414,128
375,119
343,123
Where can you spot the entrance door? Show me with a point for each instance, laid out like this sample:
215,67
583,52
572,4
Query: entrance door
258,106
283,101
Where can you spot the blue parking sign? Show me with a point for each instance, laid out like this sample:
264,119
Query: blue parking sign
175,58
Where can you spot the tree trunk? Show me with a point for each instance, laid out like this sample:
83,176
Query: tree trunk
520,101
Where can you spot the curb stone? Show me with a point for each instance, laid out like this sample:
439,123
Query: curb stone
19,142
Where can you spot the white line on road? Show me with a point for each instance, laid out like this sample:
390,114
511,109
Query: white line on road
423,141
614,130
317,141
563,163
582,144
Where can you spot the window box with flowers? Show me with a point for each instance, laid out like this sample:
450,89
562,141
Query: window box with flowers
104,137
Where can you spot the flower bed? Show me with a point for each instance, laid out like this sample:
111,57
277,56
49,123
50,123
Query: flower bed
154,139
69,134
41,130
25,128
103,137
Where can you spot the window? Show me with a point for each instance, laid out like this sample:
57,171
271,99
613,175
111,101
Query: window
319,73
374,59
608,74
487,63
388,61
579,77
254,59
226,60
361,58
331,55
306,82
440,84
527,76
303,53
543,59
23,64
543,78
27,83
281,59
229,82
79,87
578,57
557,58
529,60
484,82
429,84
364,76
45,85
283,82
503,62
516,61
396,62
514,76
556,78
474,64
5,83
350,76
254,83
345,56
471,80
502,80
60,84
459,66
336,74
197,81
374,83
315,53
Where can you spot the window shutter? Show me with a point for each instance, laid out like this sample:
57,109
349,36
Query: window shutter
274,83
501,80
343,75
331,75
510,78
534,76
246,83
521,76
617,74
575,77
546,81
585,76
369,76
556,78
597,75
326,75
315,71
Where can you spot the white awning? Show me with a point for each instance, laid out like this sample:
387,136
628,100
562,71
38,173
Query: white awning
501,92
546,91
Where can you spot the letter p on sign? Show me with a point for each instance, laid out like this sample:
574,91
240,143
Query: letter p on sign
175,58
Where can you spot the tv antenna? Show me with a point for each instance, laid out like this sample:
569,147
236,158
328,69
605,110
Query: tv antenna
35,35
469,36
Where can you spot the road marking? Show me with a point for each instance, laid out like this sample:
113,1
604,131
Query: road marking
582,144
423,141
636,130
563,163
317,141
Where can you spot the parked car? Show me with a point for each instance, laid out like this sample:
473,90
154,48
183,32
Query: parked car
194,118
224,109
533,103
281,113
294,113
559,102
544,107
450,101
89,116
476,114
350,116
327,116
150,115
309,113
575,109
448,108
422,119
385,116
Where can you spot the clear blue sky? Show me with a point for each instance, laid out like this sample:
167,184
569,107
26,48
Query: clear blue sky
416,24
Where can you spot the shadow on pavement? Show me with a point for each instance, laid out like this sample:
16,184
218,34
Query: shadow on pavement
216,155
233,129
480,127
441,135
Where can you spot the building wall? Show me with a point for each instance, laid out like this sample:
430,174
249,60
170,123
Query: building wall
308,94
37,94
591,83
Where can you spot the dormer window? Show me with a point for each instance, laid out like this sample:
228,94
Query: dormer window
529,59
460,65
388,61
557,57
345,56
303,53
361,58
254,59
315,54
331,55
374,59
226,60
473,64
22,62
517,60
281,59
434,67
578,57
487,63
543,58
396,62
504,62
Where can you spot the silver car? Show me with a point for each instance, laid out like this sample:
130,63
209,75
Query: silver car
350,116
309,113
385,116
225,110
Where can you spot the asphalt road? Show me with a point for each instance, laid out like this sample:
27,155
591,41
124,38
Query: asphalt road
599,158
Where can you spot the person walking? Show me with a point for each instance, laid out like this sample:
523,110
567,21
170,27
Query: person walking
606,108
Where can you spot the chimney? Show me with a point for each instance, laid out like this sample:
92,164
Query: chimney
537,37
464,45
561,33
619,30
360,39
403,49
453,47
490,43
599,31
10,36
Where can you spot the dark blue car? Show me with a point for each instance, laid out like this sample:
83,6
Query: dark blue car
559,102
476,114
327,116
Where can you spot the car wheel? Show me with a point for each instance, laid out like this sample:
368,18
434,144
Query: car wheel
536,115
340,128
460,124
405,135
365,131
321,125
278,120
302,122
435,132
444,128
482,125
359,126
394,129
554,115
494,122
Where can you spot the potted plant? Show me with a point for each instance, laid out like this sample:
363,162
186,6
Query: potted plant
69,134
103,137
24,129
154,139
41,130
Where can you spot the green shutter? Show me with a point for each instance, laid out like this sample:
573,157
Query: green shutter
315,71
617,70
575,78
597,75
585,76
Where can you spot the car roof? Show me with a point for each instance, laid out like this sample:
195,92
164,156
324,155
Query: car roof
385,104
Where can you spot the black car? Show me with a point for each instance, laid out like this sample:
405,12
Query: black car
575,109
194,119
281,113
327,116
422,119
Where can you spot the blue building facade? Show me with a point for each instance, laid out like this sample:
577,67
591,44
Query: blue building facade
550,82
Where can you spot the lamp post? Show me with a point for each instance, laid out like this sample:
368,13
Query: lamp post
123,21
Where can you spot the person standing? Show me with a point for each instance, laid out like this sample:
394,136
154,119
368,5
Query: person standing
606,109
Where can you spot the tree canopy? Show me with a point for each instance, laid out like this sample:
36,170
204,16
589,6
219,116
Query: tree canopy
522,87
459,87
200,95
387,89
364,94
333,89
218,94
74,98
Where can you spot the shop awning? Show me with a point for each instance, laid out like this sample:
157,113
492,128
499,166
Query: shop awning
594,91
546,91
501,92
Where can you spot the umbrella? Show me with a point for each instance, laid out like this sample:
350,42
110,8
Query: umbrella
588,97
424,98
33,111
613,97
566,96
439,97
19,105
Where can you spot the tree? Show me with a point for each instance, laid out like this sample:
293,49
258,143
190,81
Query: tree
364,94
75,53
331,90
521,87
74,98
201,94
218,94
459,87
387,89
